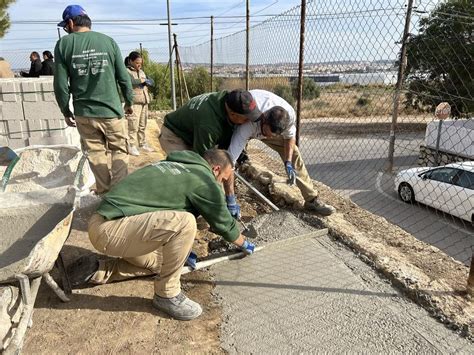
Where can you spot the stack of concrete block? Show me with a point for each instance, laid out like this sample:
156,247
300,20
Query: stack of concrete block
29,114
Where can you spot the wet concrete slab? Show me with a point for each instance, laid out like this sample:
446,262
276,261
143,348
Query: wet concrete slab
314,295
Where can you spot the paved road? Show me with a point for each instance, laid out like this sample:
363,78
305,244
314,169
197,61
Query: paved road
354,165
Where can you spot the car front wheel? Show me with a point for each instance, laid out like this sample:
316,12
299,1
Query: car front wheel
406,193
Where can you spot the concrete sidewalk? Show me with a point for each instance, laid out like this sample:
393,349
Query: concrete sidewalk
312,295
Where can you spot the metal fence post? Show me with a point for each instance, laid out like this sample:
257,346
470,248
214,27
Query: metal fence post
247,49
212,53
300,71
398,88
173,87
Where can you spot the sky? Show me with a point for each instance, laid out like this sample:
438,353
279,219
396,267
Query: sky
24,37
336,30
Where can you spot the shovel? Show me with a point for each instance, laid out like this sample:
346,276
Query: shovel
9,159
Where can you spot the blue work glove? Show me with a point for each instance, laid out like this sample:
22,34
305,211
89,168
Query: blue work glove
192,260
149,82
232,206
290,171
248,248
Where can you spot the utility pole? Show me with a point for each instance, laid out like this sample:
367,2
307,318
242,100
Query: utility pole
212,53
173,88
59,33
398,88
300,72
247,49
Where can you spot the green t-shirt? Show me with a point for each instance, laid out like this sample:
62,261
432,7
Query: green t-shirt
202,123
182,182
89,67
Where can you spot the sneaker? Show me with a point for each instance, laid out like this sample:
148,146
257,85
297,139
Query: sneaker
132,150
319,207
147,148
82,270
179,307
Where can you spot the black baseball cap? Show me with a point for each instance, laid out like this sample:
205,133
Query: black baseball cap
242,102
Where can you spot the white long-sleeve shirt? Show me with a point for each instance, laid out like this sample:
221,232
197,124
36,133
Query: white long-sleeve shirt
265,100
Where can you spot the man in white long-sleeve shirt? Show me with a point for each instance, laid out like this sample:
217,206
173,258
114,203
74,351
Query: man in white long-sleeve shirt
277,129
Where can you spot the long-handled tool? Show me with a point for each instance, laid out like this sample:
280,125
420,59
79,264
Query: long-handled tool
258,193
9,159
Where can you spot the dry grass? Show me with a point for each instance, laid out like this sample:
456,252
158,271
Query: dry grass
255,83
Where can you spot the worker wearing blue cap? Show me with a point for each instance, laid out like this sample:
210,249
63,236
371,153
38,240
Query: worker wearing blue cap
90,68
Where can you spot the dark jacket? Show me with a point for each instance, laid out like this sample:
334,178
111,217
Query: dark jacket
35,69
47,67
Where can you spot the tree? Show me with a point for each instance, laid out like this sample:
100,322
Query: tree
198,81
4,18
440,59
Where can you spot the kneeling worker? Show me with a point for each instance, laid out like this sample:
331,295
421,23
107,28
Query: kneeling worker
148,221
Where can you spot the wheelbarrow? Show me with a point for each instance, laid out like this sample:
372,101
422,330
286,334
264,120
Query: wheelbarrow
34,225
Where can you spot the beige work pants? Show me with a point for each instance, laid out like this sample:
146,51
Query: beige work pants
137,125
303,180
99,135
170,142
146,244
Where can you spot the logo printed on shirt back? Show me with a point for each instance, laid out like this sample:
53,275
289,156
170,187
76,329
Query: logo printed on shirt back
196,102
90,62
171,167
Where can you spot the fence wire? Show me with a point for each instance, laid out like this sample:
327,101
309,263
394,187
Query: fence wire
351,61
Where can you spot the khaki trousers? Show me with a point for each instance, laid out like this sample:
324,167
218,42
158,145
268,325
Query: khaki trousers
170,142
303,180
137,125
99,135
146,244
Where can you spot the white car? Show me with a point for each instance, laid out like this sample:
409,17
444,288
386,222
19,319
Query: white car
448,188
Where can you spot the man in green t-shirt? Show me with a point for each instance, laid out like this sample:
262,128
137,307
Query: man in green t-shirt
148,221
89,67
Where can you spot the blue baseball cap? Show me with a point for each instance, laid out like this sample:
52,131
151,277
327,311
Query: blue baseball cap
70,12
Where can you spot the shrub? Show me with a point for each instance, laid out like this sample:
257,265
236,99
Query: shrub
284,91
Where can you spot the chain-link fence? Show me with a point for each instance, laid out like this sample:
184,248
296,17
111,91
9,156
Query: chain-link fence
351,137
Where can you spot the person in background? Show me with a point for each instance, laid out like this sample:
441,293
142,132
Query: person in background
5,69
47,67
138,119
89,66
35,67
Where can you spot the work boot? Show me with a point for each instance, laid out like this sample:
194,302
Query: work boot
145,147
319,207
179,307
132,150
82,270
